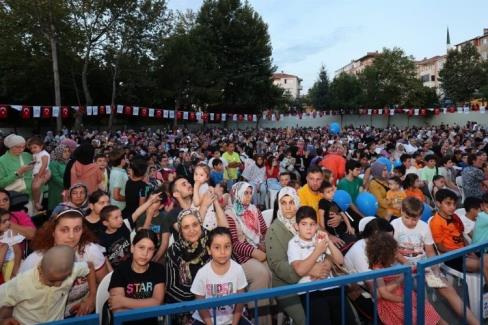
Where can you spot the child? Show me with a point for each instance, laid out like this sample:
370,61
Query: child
480,232
40,173
116,237
96,202
136,188
223,197
352,184
415,243
381,250
217,173
218,278
40,294
430,170
10,250
329,212
395,196
102,162
138,282
472,207
118,178
306,248
201,176
447,231
411,186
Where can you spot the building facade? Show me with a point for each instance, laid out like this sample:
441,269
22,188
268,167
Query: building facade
357,66
290,83
480,42
428,72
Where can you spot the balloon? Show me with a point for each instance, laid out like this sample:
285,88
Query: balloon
335,128
397,163
385,161
342,199
367,204
426,213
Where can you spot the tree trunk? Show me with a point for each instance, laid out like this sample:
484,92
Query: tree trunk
114,91
175,121
57,86
86,90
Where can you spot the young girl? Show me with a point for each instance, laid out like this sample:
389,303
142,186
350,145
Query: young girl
201,177
411,186
96,201
138,282
223,197
40,173
395,196
10,251
218,278
381,251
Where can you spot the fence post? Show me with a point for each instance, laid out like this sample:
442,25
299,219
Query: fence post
407,296
420,293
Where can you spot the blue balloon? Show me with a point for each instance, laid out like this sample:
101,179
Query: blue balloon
335,128
367,204
427,212
342,199
385,161
397,163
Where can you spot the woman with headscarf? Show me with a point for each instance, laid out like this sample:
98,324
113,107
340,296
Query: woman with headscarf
82,169
57,166
76,197
378,186
187,255
16,168
247,227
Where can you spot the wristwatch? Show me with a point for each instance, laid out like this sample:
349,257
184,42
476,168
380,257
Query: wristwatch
17,175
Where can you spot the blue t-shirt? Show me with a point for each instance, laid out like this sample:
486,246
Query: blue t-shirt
216,177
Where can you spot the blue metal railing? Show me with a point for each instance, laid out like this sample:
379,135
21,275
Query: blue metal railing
92,319
435,260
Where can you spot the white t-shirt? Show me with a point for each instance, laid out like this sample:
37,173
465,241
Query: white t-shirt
411,241
37,157
298,250
210,285
355,259
93,253
10,239
467,223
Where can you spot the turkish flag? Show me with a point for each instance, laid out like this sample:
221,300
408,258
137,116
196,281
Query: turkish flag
179,115
159,113
249,117
3,112
101,110
205,116
25,113
144,111
46,112
410,112
423,112
128,110
64,112
217,117
386,111
192,116
437,111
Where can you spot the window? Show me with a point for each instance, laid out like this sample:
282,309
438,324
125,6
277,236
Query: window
285,81
424,78
432,78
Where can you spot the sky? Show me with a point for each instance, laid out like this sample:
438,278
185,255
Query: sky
306,34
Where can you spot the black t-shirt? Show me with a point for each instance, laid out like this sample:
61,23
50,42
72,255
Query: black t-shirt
117,245
134,190
341,228
97,228
169,220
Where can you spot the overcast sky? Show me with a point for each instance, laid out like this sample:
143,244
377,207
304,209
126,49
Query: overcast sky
308,33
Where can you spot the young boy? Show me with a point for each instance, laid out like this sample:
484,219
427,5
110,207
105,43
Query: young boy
395,196
136,188
40,295
472,207
333,220
218,278
116,238
430,170
352,184
101,161
447,231
480,232
118,178
10,250
217,173
415,243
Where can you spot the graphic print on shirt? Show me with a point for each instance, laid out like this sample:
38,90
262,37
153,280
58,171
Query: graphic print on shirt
140,290
118,251
411,246
217,290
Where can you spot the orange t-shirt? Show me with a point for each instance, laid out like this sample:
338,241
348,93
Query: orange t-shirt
415,192
447,232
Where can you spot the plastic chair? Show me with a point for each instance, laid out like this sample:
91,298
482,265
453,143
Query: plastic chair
459,183
268,216
102,294
363,222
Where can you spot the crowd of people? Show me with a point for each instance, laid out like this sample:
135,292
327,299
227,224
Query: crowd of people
177,215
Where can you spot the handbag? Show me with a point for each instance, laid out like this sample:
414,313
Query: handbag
19,184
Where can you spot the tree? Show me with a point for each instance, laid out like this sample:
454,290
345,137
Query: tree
319,93
462,73
389,80
345,92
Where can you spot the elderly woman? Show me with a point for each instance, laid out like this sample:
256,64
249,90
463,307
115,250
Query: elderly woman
68,228
188,254
57,166
77,197
378,186
279,234
16,168
248,229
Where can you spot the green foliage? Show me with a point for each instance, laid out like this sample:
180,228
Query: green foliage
346,92
462,74
319,93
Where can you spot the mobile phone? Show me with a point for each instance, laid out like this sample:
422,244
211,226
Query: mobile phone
32,163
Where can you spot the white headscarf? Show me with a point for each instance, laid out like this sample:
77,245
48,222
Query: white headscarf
246,215
289,223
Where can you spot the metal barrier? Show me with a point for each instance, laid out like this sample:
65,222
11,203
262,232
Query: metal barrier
213,303
92,319
425,263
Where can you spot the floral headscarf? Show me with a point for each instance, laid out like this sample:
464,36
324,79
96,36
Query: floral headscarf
289,223
246,215
57,153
